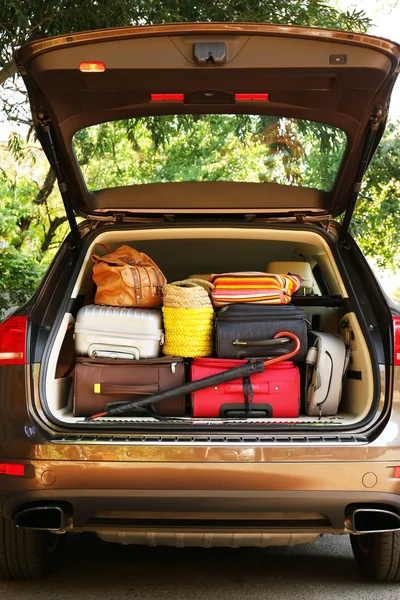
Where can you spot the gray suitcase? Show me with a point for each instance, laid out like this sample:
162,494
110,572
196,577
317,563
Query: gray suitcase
118,332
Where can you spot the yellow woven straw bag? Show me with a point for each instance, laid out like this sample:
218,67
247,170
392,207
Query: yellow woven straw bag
188,318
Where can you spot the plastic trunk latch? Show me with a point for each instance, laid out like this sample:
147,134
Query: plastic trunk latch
209,53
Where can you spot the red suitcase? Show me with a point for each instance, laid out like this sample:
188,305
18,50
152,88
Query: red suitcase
274,393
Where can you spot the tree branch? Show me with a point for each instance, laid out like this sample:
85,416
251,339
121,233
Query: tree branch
48,238
23,224
8,71
46,188
41,198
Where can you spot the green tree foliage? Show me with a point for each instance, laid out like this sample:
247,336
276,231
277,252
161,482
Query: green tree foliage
20,275
29,230
251,148
27,219
32,217
376,223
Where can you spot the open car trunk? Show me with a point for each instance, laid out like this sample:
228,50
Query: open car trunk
181,251
209,122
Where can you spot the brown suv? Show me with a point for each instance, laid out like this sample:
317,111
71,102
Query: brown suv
299,113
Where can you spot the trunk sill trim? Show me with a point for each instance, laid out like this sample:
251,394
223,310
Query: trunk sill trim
214,440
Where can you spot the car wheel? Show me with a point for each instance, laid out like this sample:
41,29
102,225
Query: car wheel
25,554
378,555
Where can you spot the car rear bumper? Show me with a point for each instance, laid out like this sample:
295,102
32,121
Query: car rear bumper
202,510
262,497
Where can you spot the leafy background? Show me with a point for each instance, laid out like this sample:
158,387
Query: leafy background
32,220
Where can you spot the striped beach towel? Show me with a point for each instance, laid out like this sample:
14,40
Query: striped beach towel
253,287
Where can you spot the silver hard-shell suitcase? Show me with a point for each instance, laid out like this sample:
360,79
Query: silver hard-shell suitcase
118,332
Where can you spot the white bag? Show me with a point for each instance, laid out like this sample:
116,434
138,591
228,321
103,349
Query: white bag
327,361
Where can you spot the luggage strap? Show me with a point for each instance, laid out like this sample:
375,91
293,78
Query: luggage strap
248,393
312,378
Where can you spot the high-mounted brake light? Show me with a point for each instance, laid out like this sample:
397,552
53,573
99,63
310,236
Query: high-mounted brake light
18,470
13,341
167,97
247,97
396,330
92,67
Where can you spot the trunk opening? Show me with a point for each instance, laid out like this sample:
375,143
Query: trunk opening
181,252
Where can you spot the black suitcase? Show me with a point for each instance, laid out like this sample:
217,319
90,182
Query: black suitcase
244,330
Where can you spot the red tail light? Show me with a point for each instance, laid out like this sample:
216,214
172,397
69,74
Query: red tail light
18,470
396,329
167,97
247,97
92,67
13,341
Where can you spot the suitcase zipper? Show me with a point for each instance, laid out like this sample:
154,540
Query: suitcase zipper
259,318
173,367
244,313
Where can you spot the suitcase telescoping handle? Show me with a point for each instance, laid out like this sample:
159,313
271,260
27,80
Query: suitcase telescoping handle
250,368
253,348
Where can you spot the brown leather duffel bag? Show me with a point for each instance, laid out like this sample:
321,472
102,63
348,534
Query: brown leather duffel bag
126,277
102,383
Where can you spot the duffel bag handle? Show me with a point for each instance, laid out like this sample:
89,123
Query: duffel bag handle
133,257
95,257
266,343
106,247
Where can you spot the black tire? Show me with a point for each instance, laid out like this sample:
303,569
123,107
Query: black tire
25,554
378,555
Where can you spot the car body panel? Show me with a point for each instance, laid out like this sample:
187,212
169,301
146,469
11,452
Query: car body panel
180,495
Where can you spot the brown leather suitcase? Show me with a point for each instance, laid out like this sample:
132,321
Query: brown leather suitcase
101,383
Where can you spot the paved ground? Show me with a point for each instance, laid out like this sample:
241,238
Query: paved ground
94,570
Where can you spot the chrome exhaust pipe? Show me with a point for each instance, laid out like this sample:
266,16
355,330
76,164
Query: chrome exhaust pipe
44,518
372,520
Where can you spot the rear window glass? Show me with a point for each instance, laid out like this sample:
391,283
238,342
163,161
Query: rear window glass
211,147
